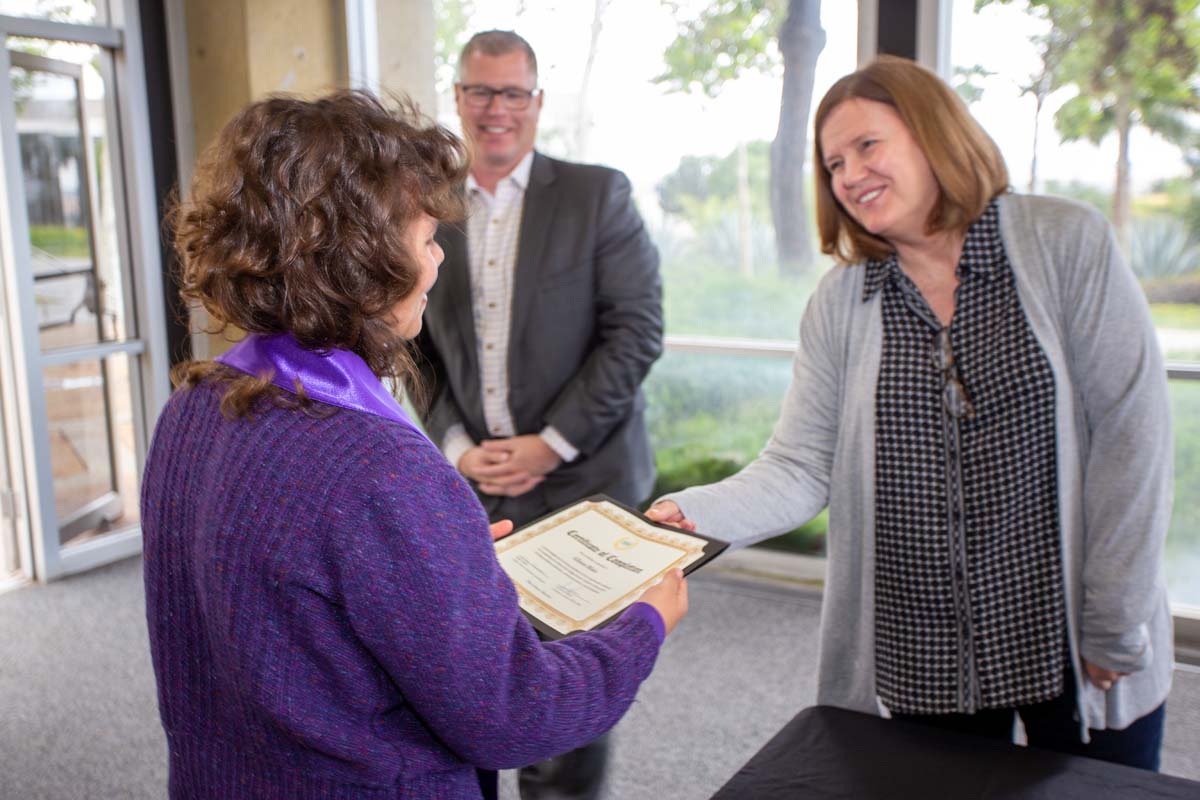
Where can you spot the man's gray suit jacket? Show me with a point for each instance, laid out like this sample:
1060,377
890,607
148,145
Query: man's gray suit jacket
586,327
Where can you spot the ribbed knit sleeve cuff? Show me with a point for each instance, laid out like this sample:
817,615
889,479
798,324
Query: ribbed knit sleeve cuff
650,614
1129,652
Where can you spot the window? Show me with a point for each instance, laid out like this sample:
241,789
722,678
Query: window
78,11
1010,62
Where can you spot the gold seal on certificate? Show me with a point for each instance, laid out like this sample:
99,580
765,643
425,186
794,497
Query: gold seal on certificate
581,566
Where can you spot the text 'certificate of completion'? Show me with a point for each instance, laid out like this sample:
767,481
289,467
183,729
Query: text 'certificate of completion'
579,567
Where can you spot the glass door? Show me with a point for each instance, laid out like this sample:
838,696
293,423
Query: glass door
10,544
77,333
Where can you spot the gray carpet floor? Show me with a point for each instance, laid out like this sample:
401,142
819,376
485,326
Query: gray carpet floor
78,716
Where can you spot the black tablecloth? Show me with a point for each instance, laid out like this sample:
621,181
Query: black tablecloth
826,753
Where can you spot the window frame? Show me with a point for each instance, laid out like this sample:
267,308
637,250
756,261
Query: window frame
27,431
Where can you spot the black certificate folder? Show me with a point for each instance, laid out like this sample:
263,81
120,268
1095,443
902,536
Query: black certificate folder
577,568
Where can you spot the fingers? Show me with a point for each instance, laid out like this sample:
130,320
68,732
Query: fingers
513,478
522,488
1101,678
511,489
477,458
504,458
502,472
506,491
478,462
676,583
669,513
506,467
528,453
669,597
664,511
496,467
501,529
498,471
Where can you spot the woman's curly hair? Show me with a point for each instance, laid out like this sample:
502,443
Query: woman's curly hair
296,222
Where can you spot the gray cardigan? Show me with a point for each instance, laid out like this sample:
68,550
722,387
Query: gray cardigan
1114,459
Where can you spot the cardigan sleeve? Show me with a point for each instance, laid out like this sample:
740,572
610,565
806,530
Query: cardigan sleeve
788,483
424,592
1127,492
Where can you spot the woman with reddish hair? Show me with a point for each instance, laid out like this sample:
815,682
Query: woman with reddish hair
979,398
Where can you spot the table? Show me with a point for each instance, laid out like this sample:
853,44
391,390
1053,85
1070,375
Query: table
826,753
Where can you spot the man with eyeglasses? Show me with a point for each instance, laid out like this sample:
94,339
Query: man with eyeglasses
545,319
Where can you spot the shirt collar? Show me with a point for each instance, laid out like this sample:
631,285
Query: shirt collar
983,249
983,252
519,175
878,272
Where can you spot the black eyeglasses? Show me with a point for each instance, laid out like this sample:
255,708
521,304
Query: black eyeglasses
476,95
954,394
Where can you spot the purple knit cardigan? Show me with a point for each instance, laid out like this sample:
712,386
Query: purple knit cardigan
328,619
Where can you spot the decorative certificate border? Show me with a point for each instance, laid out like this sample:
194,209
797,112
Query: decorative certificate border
691,549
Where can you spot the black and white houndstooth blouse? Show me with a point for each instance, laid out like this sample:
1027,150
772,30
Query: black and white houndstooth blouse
969,606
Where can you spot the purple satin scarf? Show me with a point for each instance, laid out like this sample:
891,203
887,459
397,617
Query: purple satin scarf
337,377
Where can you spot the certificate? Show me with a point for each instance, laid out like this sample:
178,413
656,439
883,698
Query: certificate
578,568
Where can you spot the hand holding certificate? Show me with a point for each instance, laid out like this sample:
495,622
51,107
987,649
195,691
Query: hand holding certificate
581,566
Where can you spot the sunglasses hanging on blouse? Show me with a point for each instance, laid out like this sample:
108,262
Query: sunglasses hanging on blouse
954,394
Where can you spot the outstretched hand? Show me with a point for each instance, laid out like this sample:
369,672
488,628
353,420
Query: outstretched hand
668,513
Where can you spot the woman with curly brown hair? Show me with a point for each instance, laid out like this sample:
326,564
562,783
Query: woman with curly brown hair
327,615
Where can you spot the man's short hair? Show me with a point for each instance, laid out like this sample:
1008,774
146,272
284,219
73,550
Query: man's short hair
497,43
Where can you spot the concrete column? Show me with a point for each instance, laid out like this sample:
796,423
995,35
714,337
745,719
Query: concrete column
241,50
406,63
218,64
296,46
